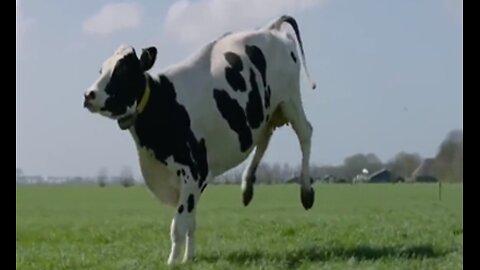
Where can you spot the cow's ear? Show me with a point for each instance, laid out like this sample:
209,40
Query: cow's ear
147,59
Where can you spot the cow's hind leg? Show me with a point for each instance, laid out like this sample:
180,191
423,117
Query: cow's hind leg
294,113
248,177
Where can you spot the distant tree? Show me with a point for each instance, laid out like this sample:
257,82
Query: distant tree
403,164
102,177
354,164
328,171
457,163
19,179
126,177
276,173
315,171
236,176
449,159
264,173
287,172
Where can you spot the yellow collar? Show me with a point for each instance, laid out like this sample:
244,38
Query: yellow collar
145,97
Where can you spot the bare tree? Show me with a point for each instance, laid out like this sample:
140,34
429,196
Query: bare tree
19,177
126,177
287,172
18,172
102,177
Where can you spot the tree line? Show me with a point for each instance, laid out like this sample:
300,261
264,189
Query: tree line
447,166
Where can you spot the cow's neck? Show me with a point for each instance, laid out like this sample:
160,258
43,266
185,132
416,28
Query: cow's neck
164,125
129,120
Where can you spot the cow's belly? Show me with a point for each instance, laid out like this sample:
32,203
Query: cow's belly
224,159
223,150
163,183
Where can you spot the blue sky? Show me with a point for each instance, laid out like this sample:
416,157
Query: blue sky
389,74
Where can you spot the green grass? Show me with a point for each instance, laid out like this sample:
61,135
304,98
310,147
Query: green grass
375,226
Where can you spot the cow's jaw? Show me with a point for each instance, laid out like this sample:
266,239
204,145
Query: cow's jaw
128,119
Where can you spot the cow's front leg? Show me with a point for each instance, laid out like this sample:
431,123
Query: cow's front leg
184,223
178,229
189,211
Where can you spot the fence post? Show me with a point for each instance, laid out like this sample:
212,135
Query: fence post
439,190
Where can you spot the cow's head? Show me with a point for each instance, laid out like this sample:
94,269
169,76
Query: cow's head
121,85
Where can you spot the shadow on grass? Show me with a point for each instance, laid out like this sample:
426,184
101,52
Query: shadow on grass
293,258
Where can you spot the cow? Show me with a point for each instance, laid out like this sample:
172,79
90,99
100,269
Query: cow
205,115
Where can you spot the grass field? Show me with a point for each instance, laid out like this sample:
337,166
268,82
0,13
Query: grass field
375,226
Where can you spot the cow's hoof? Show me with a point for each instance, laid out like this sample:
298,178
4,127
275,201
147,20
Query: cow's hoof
308,197
247,194
170,262
187,260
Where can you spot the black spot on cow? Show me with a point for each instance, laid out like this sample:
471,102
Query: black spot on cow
164,127
254,104
178,172
200,156
235,79
190,203
127,77
268,93
203,188
180,209
254,179
258,59
234,61
233,113
232,72
293,57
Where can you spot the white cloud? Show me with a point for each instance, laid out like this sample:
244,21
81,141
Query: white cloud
23,25
114,17
196,22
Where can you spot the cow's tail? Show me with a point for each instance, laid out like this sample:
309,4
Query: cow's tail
290,20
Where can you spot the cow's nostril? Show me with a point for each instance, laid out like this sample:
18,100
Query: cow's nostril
90,95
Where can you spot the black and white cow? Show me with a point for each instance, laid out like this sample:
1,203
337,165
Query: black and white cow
204,116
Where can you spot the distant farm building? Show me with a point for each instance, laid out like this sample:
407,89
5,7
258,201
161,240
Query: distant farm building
329,179
361,177
381,176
